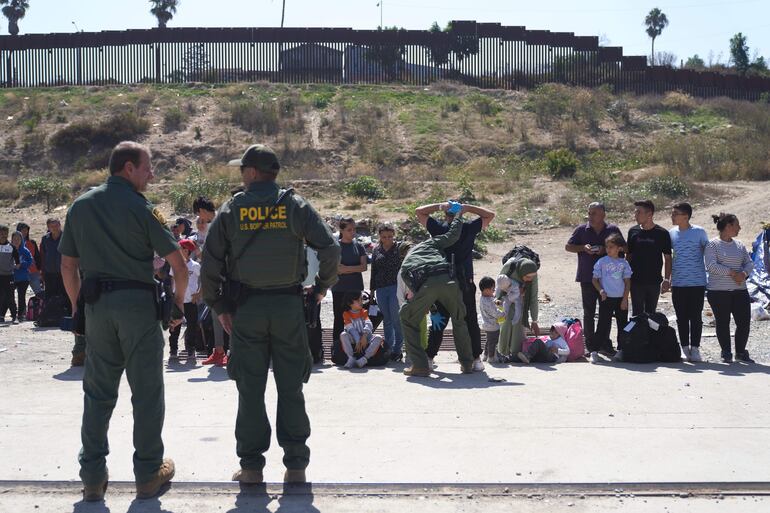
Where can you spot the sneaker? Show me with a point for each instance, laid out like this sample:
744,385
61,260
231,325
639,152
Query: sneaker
162,476
417,372
727,358
523,358
249,476
350,363
594,357
361,362
295,475
686,352
618,356
485,358
214,359
94,493
14,321
397,357
744,357
477,365
78,360
502,358
466,368
172,356
695,356
608,352
431,365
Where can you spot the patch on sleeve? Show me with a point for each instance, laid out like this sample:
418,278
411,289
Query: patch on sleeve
159,216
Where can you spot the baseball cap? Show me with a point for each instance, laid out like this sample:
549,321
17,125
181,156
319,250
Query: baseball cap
258,156
187,244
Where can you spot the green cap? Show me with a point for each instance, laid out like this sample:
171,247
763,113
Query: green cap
258,156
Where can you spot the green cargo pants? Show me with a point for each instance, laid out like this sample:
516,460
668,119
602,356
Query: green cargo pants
80,345
441,289
269,328
123,332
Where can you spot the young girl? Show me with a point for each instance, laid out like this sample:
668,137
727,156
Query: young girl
554,350
612,278
191,297
357,340
491,315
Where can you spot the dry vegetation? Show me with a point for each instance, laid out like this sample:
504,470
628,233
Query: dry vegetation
537,155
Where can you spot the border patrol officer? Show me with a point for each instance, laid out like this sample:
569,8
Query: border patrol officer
111,234
257,244
430,277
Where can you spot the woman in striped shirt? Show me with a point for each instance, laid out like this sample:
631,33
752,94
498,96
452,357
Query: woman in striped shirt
729,265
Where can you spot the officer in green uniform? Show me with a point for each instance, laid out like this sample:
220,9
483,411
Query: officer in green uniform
111,235
257,245
431,278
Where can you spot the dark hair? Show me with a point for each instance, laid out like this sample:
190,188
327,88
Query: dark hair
202,203
126,151
349,297
722,220
187,230
616,239
52,220
3,228
684,207
21,226
346,221
486,283
649,205
386,227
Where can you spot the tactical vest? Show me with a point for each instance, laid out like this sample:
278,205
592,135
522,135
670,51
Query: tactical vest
276,256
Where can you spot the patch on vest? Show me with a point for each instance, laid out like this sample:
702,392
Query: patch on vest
157,215
250,218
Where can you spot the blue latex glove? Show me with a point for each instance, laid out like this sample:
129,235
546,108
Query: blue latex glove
437,321
454,207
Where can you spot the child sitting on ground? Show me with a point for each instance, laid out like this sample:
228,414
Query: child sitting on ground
357,340
491,315
612,278
554,350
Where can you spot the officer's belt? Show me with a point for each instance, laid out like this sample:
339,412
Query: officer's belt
292,290
438,271
113,285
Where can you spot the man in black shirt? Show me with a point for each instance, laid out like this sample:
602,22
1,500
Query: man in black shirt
462,254
649,247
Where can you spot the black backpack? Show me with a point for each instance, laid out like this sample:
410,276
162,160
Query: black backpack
646,345
521,251
54,309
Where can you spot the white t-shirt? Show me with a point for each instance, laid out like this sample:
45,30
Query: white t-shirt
193,279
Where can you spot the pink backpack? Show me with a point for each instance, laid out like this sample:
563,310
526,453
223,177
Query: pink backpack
575,341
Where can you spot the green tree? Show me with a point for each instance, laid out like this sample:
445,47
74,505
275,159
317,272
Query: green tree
14,10
759,66
51,189
655,21
390,56
739,53
695,62
461,46
163,10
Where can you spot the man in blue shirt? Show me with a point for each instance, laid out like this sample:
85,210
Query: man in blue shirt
461,253
588,242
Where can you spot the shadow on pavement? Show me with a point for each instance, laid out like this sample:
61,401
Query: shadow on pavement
725,369
71,374
456,381
216,373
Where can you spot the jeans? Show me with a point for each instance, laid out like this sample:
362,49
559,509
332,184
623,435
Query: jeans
608,309
388,303
539,353
738,304
54,286
35,282
590,297
644,297
688,305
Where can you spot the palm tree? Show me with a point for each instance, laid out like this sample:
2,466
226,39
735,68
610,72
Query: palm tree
656,21
164,10
14,10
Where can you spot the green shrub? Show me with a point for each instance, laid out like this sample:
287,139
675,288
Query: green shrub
197,184
365,187
78,138
484,105
51,189
561,163
255,116
465,186
174,119
549,103
594,178
668,186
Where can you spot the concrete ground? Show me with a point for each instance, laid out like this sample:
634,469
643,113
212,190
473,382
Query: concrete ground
559,430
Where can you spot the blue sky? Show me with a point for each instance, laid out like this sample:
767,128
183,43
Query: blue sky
696,26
